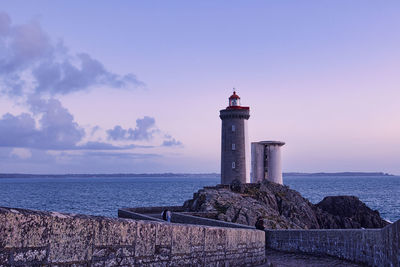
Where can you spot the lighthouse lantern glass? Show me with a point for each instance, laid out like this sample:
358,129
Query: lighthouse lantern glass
234,102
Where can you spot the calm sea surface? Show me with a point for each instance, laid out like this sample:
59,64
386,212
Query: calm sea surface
103,196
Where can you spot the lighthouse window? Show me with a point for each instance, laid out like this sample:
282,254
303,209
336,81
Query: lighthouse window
233,165
233,146
233,128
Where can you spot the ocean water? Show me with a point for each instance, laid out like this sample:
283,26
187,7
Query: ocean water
103,196
380,193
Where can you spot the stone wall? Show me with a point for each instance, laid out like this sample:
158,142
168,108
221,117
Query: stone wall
391,243
33,238
178,217
124,213
157,209
186,218
375,247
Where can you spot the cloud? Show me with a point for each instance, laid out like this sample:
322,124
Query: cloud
36,68
120,155
27,51
65,77
17,131
94,130
171,142
57,128
106,146
144,130
5,23
21,153
22,45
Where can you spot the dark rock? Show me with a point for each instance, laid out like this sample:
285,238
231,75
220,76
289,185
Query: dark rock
349,212
236,185
281,208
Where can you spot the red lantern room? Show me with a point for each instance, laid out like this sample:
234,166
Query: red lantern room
234,102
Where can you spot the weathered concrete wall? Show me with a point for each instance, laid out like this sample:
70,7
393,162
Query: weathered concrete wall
266,161
375,247
274,164
257,162
33,238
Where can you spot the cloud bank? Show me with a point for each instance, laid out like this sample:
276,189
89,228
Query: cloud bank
34,70
57,130
27,52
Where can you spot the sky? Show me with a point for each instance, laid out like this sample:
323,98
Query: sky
136,86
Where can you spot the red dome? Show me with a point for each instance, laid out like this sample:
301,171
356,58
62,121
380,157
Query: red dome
234,96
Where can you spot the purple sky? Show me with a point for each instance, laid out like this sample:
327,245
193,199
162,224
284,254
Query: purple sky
129,86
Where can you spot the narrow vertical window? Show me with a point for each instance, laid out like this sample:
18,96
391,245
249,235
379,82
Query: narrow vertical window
233,128
233,146
233,165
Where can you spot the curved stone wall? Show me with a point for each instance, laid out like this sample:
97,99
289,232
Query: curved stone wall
374,247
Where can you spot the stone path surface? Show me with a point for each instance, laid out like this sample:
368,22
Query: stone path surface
285,259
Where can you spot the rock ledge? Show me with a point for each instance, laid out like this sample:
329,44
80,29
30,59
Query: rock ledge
281,208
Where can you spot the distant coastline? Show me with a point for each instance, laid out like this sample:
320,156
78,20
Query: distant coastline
338,174
188,175
110,175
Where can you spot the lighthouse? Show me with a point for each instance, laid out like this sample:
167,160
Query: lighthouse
235,147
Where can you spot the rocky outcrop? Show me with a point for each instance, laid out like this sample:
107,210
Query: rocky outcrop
347,212
281,208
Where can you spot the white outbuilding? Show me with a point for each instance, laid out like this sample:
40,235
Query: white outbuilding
266,163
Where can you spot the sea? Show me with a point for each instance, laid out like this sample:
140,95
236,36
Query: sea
105,195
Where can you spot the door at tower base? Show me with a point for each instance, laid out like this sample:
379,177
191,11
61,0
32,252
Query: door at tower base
266,161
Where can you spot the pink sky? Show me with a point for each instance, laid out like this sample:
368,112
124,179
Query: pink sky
321,76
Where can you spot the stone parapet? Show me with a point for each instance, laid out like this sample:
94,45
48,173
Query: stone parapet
193,218
374,247
34,238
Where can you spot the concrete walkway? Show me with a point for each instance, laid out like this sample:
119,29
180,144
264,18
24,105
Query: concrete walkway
285,259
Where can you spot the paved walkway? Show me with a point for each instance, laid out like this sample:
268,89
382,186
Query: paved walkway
285,259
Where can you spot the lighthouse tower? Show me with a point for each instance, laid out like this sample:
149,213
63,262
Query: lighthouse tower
235,148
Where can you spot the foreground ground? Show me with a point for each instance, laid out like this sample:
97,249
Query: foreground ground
284,259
